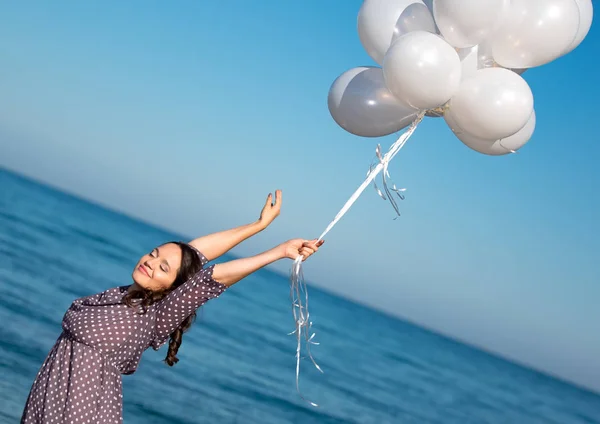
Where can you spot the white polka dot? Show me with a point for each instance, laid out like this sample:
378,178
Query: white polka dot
102,338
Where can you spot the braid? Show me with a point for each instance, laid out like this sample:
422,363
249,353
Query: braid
141,299
175,340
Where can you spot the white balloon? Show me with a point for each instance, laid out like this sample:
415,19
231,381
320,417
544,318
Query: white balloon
468,65
493,104
422,70
469,61
586,15
377,22
416,17
466,23
361,104
429,4
535,32
497,147
478,57
484,56
486,60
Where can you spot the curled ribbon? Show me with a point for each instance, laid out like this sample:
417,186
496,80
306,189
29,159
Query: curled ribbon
297,283
302,320
387,191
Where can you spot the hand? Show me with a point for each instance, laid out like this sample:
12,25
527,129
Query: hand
293,248
271,210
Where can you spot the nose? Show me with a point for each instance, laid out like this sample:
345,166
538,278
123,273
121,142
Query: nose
149,263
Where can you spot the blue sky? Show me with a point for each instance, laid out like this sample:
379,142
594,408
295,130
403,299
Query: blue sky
187,114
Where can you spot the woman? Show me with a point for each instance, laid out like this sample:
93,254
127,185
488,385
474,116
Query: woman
104,335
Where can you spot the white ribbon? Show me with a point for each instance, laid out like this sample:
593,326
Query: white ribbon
297,283
302,320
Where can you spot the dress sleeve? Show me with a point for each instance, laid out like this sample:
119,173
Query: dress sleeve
182,302
203,259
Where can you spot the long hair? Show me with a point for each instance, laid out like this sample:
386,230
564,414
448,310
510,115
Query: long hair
141,299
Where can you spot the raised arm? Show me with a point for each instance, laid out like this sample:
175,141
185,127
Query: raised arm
231,272
216,244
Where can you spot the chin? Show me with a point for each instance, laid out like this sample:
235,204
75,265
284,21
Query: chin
140,278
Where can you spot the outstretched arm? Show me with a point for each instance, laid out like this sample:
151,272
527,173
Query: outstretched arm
210,282
215,245
231,272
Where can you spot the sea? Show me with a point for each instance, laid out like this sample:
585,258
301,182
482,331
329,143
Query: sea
237,363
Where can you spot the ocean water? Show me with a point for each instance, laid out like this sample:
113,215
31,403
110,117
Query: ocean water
237,363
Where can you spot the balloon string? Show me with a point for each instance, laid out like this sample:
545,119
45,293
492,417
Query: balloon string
373,172
297,282
302,320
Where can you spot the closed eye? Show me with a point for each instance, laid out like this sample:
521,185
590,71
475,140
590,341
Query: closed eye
164,266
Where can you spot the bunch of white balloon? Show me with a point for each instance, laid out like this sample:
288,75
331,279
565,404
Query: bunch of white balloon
460,59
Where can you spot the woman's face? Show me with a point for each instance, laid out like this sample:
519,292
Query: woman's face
158,269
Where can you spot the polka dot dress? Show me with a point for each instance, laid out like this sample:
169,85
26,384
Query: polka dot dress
102,338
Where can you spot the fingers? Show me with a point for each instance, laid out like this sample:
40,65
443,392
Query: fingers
309,248
278,197
274,203
305,252
313,244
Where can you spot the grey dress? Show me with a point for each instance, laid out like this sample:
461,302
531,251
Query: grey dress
102,338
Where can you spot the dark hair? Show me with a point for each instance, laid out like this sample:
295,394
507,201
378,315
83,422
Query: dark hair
141,299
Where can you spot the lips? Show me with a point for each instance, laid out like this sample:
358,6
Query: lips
143,270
